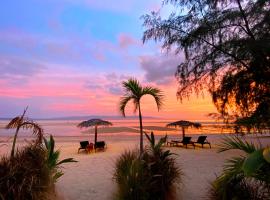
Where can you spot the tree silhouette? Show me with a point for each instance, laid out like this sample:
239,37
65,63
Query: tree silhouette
227,51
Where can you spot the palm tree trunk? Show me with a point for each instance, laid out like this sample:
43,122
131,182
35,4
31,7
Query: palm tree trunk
95,134
16,133
141,130
14,142
95,137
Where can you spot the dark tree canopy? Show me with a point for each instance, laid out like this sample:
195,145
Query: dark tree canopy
227,51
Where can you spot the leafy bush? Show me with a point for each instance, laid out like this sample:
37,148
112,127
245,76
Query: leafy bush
52,159
162,168
30,173
26,175
148,176
239,189
244,177
131,177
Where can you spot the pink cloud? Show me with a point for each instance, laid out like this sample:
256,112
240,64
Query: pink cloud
67,95
18,38
126,40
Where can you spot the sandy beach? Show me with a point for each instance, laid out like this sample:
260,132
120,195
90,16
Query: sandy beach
91,177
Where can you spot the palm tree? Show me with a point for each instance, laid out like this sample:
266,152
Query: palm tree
246,176
24,123
134,92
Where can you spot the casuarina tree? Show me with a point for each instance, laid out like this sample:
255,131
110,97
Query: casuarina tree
226,44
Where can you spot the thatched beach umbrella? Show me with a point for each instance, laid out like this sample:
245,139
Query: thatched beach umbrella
184,124
94,123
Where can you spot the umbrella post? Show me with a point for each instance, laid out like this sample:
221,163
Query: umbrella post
95,137
183,132
95,134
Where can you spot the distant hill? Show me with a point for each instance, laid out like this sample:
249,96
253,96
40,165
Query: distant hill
89,117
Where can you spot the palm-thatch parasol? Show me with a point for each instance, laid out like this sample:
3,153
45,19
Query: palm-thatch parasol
95,123
184,124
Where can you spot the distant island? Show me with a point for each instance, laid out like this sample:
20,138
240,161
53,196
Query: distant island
115,117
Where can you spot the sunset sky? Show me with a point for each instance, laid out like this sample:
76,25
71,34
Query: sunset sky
69,57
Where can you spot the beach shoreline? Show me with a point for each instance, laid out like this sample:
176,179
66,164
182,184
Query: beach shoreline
91,177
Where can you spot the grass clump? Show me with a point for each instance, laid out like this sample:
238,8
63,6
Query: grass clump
130,176
26,175
31,172
147,176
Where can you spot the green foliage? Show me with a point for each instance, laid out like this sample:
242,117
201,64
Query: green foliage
30,172
131,177
227,51
253,162
149,176
230,143
244,177
26,175
53,162
135,91
163,170
239,189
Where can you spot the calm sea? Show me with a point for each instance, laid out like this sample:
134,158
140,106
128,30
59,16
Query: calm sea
119,128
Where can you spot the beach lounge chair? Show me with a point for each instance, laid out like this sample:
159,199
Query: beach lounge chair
186,141
100,145
202,140
173,142
83,145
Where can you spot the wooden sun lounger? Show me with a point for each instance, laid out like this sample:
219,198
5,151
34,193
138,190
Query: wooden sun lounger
100,145
83,145
202,140
185,142
173,142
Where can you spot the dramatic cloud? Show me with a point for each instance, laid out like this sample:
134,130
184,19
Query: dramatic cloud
160,69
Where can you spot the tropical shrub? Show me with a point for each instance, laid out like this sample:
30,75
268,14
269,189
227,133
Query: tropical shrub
163,170
30,172
52,159
244,177
22,122
25,175
131,177
147,176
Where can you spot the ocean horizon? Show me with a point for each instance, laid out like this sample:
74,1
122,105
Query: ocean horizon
121,127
